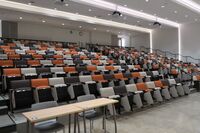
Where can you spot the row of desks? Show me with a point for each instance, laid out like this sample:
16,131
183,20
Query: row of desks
70,109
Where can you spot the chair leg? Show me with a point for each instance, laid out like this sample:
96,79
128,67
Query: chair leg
90,126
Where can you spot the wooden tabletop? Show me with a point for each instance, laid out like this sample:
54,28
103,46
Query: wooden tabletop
51,113
95,103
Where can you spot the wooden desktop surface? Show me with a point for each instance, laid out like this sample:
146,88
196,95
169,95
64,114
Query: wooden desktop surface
95,103
51,113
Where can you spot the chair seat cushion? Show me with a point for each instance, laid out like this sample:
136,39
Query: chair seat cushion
49,127
89,114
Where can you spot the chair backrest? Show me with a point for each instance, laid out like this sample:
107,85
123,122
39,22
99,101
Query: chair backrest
33,62
120,90
16,84
108,76
85,98
44,62
11,71
155,73
158,83
131,88
172,81
39,82
56,69
85,78
6,63
141,87
71,80
81,68
69,69
150,85
100,67
143,74
44,105
28,70
42,70
106,92
119,76
57,62
135,74
55,81
97,77
91,68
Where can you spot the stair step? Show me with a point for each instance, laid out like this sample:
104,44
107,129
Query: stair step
3,110
6,124
4,101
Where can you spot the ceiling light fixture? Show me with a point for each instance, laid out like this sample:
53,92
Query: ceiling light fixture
43,21
20,18
125,10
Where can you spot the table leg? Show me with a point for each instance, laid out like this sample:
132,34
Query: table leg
84,122
114,117
104,119
69,129
29,127
78,124
75,123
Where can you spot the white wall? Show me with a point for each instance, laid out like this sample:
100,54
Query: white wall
190,38
0,29
52,33
138,40
165,39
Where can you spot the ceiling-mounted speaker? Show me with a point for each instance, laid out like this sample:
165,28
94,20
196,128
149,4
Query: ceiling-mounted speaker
157,24
60,2
116,14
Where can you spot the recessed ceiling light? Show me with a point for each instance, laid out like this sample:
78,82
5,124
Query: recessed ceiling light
147,0
63,24
175,11
80,26
90,10
20,18
66,4
43,21
162,6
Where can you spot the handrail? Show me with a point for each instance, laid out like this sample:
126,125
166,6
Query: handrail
172,55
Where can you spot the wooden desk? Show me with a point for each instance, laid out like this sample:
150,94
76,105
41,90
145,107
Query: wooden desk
96,103
91,104
50,113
